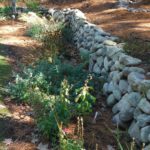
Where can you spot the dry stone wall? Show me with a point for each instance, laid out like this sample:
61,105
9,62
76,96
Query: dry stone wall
126,87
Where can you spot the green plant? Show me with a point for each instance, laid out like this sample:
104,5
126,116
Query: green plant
32,5
5,11
35,31
54,88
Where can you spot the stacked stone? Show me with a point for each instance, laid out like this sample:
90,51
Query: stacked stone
126,87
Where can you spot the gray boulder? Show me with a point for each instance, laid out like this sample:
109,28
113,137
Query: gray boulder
128,60
100,61
116,120
134,79
96,69
117,94
126,115
143,120
144,105
148,94
145,133
134,131
111,100
123,86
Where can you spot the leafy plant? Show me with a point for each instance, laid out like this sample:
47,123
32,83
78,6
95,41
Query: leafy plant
5,11
54,89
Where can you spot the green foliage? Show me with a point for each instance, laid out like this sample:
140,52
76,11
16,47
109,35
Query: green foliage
35,31
5,11
32,5
53,35
54,90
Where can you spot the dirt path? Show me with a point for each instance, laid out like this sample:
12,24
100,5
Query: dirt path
16,120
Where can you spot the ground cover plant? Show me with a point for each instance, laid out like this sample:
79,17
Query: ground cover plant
56,91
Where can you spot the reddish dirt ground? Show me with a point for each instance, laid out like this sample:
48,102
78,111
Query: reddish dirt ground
105,14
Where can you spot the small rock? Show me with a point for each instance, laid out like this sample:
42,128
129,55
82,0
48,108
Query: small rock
109,43
109,147
42,146
144,105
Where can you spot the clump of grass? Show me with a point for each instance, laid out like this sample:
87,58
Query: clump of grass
32,5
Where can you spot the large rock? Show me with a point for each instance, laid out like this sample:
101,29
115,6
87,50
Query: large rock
128,70
122,106
123,86
137,112
105,88
100,61
111,86
134,131
144,86
106,63
133,98
84,53
126,115
135,78
117,94
145,133
143,120
147,147
128,60
112,50
116,120
144,105
115,76
148,94
100,52
96,69
111,100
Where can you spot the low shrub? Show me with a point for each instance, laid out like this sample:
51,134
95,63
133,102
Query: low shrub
5,11
54,90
